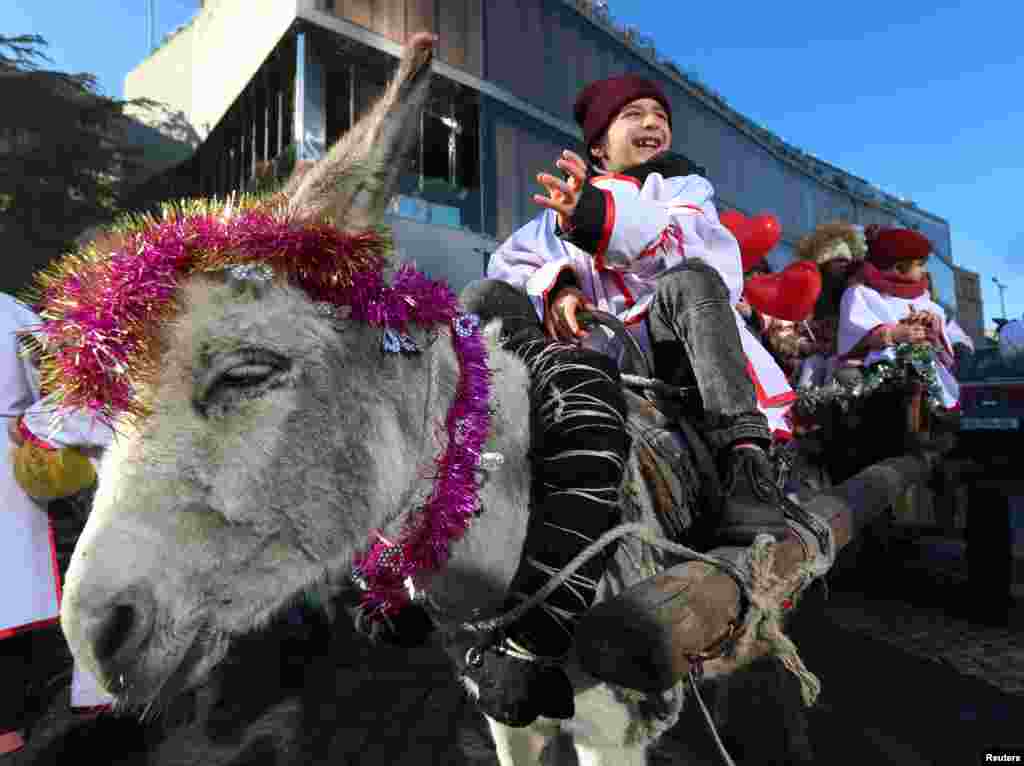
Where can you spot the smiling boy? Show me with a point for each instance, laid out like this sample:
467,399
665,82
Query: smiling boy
638,237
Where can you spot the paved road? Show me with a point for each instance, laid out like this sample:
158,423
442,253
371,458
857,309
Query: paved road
884,704
880,704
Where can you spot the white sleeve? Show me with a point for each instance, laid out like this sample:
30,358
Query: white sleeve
19,381
66,428
532,259
856,318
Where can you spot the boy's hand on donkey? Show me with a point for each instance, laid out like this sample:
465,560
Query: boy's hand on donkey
563,196
560,319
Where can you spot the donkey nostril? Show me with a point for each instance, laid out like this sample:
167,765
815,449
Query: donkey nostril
124,628
116,632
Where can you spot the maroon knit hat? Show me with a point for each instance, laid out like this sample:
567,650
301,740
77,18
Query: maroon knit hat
887,246
599,102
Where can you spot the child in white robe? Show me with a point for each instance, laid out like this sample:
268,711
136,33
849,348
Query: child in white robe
890,304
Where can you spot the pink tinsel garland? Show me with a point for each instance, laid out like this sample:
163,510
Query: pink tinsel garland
424,545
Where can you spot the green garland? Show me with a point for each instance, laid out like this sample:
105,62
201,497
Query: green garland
913,362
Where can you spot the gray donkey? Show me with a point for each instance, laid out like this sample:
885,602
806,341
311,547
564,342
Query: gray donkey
279,437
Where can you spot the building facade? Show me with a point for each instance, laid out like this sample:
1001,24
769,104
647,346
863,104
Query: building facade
507,73
970,309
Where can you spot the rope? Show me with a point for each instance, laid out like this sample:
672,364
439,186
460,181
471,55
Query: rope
768,592
761,593
637,529
652,538
708,719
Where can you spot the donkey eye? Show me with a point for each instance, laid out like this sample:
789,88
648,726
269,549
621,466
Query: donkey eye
247,374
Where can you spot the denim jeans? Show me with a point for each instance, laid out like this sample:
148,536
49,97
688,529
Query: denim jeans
695,341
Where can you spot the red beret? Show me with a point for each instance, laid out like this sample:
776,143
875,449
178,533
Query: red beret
888,246
599,102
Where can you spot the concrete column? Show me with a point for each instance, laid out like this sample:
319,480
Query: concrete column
310,115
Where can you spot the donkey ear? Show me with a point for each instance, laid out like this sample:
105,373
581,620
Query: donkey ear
356,179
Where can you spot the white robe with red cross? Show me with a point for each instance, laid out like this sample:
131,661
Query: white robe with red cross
863,309
648,229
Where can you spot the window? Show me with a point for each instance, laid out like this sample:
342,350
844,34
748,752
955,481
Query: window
943,280
440,179
338,106
517,149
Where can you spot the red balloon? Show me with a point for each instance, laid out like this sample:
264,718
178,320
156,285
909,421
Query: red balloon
756,235
732,220
790,294
763,233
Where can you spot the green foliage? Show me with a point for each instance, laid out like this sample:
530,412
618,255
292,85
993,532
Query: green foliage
62,152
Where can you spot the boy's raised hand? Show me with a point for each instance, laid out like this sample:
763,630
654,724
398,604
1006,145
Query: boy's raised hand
563,196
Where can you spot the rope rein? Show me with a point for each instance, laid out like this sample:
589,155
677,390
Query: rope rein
635,529
743,581
760,616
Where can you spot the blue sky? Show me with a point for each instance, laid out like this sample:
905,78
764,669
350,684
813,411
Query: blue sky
921,98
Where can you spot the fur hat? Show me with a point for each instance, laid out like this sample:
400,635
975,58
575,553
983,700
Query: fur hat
813,247
599,102
887,246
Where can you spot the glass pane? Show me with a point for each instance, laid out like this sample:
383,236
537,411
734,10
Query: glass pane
943,281
521,148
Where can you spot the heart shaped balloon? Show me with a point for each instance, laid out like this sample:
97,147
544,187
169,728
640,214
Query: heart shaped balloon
732,220
756,235
790,294
763,233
